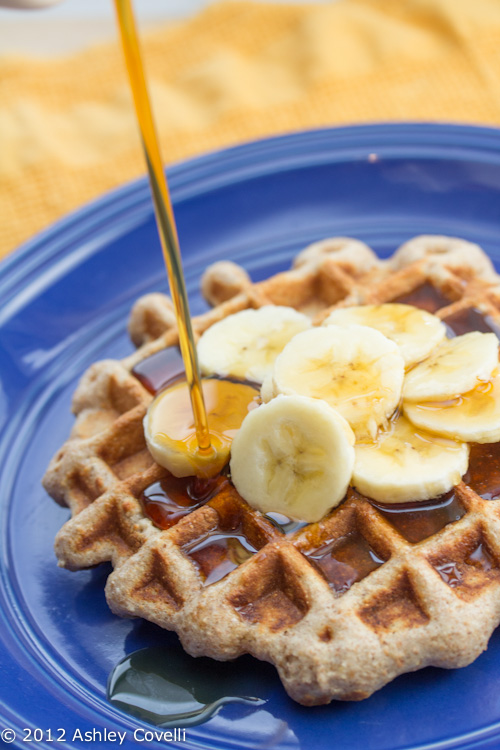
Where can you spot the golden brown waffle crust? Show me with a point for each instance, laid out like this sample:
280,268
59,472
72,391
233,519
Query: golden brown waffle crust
276,605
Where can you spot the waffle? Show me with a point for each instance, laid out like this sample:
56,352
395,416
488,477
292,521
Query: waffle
342,606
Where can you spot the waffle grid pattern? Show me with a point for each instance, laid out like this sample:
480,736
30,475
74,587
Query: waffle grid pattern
415,604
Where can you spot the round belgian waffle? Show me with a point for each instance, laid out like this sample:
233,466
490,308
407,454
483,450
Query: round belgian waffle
342,606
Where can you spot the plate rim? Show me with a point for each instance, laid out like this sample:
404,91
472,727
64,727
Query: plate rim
464,137
114,204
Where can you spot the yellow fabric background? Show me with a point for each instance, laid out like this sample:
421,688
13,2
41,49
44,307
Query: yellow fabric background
238,71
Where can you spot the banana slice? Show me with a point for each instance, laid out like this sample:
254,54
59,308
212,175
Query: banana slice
473,417
415,331
294,456
267,390
455,367
245,345
406,464
170,432
354,368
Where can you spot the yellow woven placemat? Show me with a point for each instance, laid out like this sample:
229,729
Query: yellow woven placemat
237,71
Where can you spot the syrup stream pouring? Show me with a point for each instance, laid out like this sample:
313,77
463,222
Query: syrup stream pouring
164,217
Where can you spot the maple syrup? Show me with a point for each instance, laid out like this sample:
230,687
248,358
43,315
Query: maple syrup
483,474
455,573
471,319
160,370
165,220
345,560
168,688
481,558
167,501
419,520
426,296
218,553
225,546
482,399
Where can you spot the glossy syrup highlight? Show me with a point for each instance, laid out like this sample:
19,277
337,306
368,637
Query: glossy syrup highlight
167,501
419,520
426,297
161,369
483,474
345,560
218,553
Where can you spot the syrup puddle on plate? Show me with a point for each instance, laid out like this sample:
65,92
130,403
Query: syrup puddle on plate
168,688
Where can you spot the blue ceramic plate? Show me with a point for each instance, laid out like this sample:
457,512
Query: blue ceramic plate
64,304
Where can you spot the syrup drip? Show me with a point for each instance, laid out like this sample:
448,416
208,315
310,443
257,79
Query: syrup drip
471,319
483,474
426,296
420,520
345,561
168,688
160,369
169,500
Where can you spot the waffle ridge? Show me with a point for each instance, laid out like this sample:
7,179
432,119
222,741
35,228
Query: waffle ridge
434,601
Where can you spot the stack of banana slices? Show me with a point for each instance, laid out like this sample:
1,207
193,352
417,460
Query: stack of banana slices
377,397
